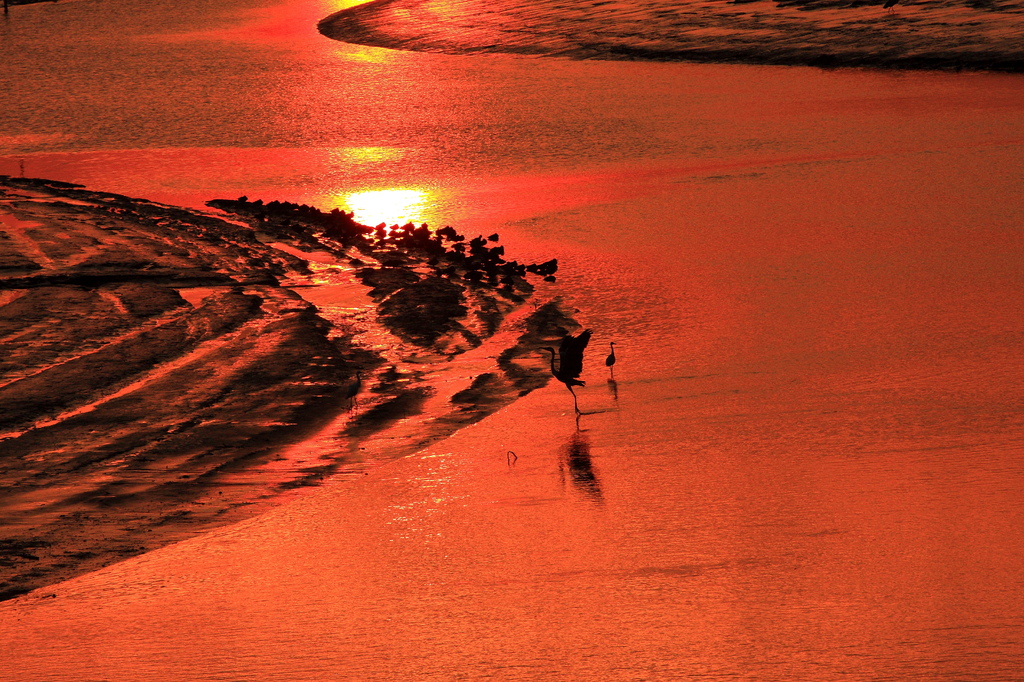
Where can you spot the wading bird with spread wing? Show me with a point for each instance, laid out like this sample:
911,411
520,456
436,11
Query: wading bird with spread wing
570,362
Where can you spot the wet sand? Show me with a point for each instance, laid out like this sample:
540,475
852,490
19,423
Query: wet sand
162,371
949,34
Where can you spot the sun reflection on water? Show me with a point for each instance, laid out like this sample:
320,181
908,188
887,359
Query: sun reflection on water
365,155
360,53
389,206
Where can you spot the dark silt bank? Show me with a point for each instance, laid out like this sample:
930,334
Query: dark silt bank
157,363
936,35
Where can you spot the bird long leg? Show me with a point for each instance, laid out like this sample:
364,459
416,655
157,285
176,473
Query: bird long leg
574,402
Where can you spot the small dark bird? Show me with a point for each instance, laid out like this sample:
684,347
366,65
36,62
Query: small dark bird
609,361
570,362
353,390
890,5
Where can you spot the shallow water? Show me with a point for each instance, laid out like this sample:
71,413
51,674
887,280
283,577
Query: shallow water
809,465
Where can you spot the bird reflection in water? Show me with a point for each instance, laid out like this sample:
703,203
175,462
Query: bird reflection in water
613,388
576,458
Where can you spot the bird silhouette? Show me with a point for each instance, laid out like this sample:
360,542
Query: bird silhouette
353,390
570,362
890,5
610,360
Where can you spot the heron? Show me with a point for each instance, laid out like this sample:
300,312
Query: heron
353,390
570,362
609,361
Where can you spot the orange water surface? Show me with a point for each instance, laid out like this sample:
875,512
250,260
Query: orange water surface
809,464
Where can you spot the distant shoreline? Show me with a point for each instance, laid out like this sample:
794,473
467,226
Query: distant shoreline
12,3
937,36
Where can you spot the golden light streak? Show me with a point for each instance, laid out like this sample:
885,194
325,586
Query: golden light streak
389,206
368,155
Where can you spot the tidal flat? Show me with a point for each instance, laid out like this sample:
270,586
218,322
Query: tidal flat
156,363
944,34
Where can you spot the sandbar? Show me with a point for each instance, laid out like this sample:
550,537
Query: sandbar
164,371
945,34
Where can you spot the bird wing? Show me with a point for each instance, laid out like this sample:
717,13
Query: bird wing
570,354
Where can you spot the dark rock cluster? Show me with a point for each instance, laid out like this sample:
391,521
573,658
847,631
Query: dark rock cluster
422,278
450,254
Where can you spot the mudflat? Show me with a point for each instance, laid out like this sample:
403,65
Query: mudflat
160,373
939,34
